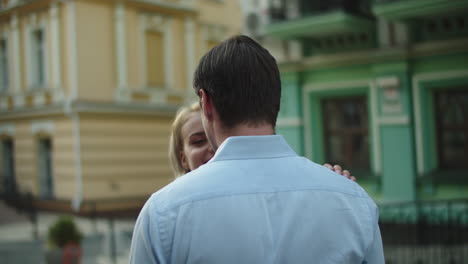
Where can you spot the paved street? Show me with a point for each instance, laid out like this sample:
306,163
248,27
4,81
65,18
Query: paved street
20,245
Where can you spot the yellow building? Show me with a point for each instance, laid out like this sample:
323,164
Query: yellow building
88,89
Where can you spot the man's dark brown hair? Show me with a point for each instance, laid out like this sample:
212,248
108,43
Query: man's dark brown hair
243,81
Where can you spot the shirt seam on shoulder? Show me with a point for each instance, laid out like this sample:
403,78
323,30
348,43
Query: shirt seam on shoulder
219,195
250,158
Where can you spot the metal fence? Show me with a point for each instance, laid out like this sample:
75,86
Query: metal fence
425,232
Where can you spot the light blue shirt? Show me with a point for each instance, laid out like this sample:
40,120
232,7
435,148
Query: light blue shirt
256,201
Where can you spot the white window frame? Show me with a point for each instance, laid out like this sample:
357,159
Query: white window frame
163,25
5,71
33,26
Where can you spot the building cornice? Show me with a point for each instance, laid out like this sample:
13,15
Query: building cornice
378,55
61,109
124,108
19,5
160,5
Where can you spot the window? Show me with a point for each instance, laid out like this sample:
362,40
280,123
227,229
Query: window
8,167
38,58
46,187
346,132
4,82
155,70
452,128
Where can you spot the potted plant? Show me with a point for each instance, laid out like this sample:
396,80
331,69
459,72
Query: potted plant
64,239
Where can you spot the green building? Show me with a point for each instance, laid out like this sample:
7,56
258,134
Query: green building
382,89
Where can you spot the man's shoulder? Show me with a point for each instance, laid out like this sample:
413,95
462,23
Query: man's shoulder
187,188
238,177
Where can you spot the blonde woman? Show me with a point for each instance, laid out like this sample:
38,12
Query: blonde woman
189,147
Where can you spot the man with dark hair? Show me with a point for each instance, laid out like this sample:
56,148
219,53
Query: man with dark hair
243,81
255,201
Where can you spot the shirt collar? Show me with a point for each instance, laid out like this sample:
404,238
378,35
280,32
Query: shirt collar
253,147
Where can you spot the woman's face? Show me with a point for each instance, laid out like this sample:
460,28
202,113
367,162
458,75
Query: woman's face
196,150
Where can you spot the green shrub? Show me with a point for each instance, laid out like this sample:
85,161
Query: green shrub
64,231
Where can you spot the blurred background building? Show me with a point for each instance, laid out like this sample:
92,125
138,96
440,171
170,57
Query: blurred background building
88,89
381,87
88,92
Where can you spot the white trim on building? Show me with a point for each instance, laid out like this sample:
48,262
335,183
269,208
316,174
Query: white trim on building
5,62
42,126
37,77
317,87
417,81
55,46
161,24
16,54
121,45
190,56
8,129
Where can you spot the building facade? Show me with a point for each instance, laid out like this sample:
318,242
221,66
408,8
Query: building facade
88,90
381,87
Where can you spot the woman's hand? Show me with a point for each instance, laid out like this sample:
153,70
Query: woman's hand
339,170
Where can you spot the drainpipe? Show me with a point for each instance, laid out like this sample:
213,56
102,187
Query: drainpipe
69,111
78,198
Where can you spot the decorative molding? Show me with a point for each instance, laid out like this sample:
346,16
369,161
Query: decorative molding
370,56
438,46
307,126
391,94
19,101
377,151
124,108
388,81
3,103
42,126
312,87
34,23
416,83
78,197
157,96
8,130
185,5
72,49
55,45
70,107
401,33
394,120
123,95
16,61
383,33
169,55
121,47
161,24
39,99
289,122
58,96
190,54
4,35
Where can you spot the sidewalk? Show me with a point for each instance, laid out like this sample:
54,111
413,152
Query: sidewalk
18,244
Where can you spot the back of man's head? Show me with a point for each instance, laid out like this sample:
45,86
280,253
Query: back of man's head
243,81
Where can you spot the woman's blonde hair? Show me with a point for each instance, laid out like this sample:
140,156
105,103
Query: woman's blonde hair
176,142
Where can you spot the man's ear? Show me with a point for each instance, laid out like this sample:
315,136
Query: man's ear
206,105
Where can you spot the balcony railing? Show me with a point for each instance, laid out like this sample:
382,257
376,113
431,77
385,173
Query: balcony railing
310,8
425,232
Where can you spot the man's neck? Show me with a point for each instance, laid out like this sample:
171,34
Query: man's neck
244,130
